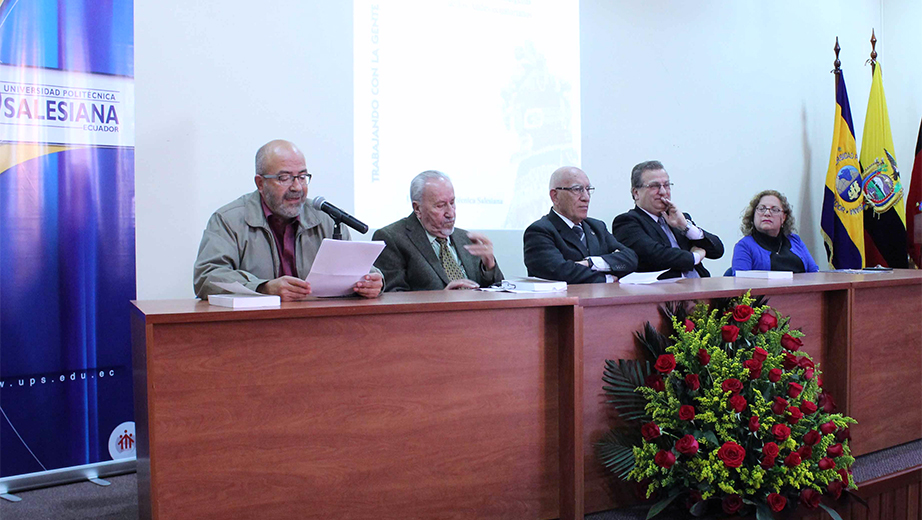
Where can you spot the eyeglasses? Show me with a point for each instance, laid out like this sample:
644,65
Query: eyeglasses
655,186
285,179
578,190
765,209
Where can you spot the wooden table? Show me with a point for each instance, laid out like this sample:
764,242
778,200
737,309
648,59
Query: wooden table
422,405
456,405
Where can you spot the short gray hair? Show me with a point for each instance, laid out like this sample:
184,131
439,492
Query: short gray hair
637,171
419,182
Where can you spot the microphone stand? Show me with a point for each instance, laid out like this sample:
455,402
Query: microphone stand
337,229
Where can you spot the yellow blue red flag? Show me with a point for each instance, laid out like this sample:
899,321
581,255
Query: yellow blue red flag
914,206
884,214
842,219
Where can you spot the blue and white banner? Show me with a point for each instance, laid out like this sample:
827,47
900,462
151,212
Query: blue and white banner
67,235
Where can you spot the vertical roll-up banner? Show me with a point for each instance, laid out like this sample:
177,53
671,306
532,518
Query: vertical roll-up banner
67,233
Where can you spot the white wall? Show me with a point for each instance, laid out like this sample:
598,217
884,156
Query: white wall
733,97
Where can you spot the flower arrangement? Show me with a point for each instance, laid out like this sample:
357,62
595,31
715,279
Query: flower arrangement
731,413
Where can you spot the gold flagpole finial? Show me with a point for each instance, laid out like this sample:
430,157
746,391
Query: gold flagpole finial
873,60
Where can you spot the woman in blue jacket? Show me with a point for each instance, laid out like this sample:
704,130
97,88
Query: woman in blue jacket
770,243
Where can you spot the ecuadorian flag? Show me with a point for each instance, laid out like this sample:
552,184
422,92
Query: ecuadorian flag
842,220
884,216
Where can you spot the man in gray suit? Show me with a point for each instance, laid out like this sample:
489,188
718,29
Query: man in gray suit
425,251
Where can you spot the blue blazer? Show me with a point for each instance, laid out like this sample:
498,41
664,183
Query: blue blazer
750,256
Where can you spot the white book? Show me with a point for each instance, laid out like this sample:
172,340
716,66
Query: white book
773,275
240,301
534,284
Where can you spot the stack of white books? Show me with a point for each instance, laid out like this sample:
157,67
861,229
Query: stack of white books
534,284
245,301
772,275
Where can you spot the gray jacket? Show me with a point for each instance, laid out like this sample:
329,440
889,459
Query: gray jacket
238,245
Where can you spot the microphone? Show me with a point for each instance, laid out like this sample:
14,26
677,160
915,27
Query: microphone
338,215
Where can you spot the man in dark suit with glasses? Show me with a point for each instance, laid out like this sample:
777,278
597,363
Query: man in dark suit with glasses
662,236
567,245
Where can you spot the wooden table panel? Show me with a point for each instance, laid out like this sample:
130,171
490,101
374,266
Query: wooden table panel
332,417
885,383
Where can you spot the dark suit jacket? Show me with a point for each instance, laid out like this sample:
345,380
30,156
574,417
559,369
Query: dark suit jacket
409,263
641,233
552,249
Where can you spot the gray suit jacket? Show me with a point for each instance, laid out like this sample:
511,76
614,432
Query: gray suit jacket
409,263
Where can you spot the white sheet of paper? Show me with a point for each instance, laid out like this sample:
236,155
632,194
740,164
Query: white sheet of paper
339,264
235,288
645,278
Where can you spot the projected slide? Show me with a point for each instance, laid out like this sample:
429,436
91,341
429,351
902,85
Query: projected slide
486,91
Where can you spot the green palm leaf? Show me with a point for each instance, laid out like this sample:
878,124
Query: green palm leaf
653,340
616,453
622,378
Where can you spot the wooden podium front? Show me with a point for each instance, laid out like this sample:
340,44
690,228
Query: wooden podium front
460,404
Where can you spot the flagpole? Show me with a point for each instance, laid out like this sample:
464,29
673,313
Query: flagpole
873,60
837,63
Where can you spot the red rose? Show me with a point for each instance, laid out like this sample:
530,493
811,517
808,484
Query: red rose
810,498
819,382
779,406
795,414
808,373
770,450
780,432
805,452
755,368
843,474
689,325
792,460
826,463
774,375
791,343
828,427
794,389
776,502
655,381
754,424
650,431
835,450
835,488
732,454
692,382
767,322
732,385
694,496
664,459
843,435
687,445
767,462
759,354
808,408
742,313
729,333
825,401
790,361
686,412
812,437
703,357
732,504
738,403
805,362
665,363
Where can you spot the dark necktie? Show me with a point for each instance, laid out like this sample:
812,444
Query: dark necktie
579,232
675,243
452,269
